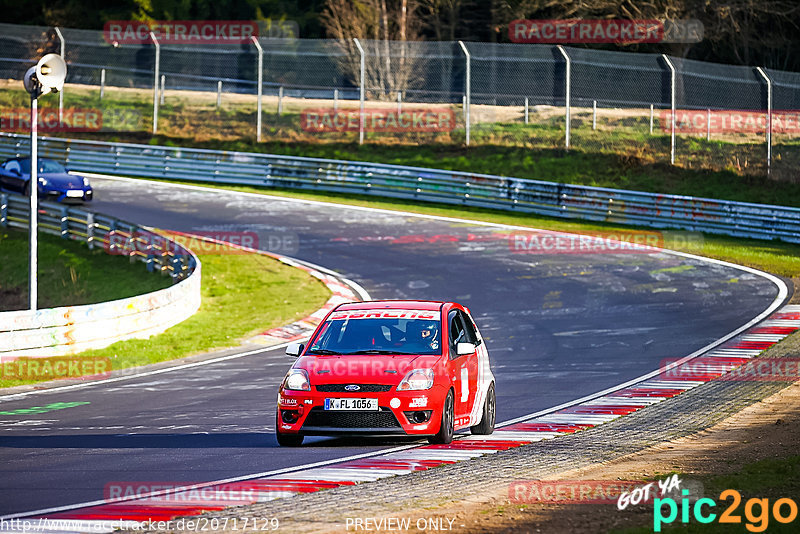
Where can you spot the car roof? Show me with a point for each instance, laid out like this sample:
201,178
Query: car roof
393,304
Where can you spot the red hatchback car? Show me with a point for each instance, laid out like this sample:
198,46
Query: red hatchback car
396,367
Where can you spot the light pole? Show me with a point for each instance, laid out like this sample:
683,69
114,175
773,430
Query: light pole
47,76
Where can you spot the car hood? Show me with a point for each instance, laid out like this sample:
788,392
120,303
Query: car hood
66,181
372,368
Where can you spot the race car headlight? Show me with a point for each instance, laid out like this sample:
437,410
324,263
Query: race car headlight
297,380
85,182
417,379
43,181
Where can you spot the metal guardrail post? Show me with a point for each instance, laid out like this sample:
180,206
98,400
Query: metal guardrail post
61,92
567,89
4,210
90,230
672,107
64,222
361,90
769,117
467,89
155,82
260,85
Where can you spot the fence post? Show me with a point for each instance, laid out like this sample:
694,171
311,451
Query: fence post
280,100
219,94
155,82
102,82
769,117
526,110
260,85
672,107
163,82
651,119
708,124
399,103
61,92
467,88
361,89
594,114
567,76
335,100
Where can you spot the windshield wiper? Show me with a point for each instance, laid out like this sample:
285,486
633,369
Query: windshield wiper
325,352
381,351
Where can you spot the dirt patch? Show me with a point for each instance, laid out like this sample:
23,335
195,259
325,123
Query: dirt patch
767,430
13,298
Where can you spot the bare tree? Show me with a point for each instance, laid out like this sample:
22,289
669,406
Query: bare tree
385,28
441,17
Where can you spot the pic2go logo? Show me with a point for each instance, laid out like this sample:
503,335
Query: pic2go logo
756,511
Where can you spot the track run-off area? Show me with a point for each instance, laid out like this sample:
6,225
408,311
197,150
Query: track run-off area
560,328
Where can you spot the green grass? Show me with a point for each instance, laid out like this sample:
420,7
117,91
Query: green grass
621,153
69,273
242,295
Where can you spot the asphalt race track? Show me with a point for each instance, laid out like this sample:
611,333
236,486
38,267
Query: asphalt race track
558,327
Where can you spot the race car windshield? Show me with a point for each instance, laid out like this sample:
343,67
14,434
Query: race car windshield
378,337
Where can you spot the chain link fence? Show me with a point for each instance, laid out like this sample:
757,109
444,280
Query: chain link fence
546,97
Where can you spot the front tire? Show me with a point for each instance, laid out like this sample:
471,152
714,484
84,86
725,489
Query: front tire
447,426
486,426
286,440
289,440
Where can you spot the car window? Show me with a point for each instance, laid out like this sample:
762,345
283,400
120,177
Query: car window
399,335
45,166
457,332
469,330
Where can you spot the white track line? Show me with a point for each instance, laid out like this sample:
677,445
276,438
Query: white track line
779,299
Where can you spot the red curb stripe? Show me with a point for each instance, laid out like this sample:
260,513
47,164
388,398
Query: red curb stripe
600,409
566,428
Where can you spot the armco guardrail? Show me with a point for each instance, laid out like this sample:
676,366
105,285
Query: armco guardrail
71,329
739,219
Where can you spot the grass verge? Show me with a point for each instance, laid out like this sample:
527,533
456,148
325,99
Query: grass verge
242,293
621,152
69,273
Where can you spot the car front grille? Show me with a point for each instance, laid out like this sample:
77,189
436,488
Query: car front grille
362,388
318,418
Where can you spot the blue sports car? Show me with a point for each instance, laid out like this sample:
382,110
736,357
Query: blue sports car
55,182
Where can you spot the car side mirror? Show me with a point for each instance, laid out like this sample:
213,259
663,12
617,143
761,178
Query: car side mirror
463,349
294,349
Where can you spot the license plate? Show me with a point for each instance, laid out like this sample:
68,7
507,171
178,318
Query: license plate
74,193
360,405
